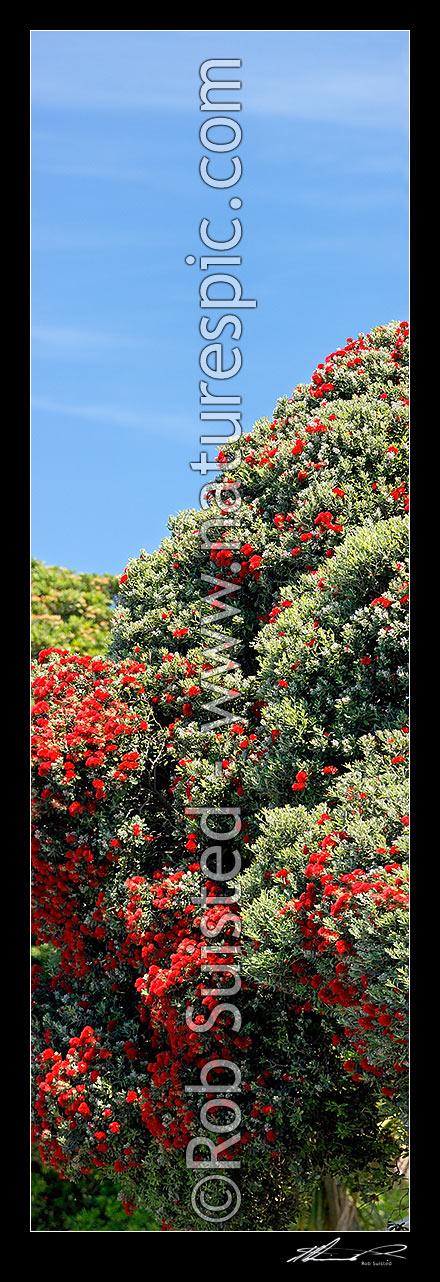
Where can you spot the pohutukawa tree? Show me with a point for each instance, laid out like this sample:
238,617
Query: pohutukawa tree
306,736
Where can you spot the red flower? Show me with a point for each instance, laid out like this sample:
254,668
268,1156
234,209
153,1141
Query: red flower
301,780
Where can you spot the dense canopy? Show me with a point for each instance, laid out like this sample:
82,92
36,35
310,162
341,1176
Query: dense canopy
258,665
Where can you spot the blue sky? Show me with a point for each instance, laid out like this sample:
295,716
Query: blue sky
116,205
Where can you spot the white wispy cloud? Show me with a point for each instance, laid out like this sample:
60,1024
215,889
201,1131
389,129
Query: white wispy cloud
59,338
351,78
169,425
100,238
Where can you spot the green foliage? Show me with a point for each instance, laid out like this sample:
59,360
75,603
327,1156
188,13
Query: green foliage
89,1206
266,636
70,610
354,877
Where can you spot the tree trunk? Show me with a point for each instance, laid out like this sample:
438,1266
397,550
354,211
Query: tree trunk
341,1210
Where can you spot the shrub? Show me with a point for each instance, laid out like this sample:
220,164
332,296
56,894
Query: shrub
279,657
70,609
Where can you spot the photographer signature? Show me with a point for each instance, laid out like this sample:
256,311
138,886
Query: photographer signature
327,1252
